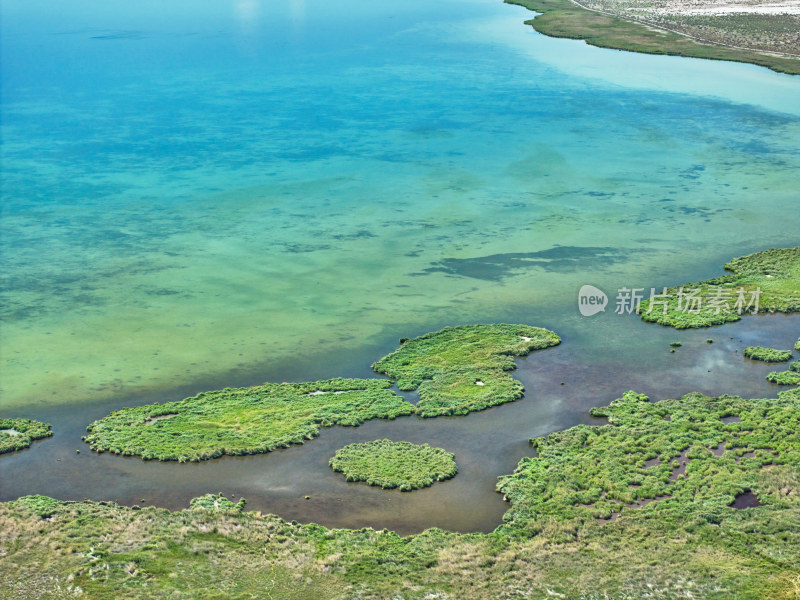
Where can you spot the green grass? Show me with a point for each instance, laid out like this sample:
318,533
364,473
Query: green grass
767,354
789,377
688,543
457,369
597,471
216,502
18,434
462,369
775,272
390,465
239,421
563,19
797,345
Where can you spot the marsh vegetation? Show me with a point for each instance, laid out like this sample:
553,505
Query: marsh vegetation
763,282
394,465
18,434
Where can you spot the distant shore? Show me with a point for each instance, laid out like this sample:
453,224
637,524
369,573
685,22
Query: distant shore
567,19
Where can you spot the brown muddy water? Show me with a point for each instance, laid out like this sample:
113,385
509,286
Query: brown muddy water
600,358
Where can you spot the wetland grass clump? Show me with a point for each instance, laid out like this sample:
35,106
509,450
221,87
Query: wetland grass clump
597,472
216,503
240,421
18,434
764,282
789,377
462,369
767,354
394,465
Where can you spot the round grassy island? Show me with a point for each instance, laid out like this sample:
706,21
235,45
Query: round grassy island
394,465
18,434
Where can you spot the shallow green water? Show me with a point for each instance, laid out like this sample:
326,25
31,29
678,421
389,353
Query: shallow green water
199,200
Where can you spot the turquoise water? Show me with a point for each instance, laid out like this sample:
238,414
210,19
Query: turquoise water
212,193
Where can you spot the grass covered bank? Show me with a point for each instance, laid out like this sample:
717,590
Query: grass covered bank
644,507
565,19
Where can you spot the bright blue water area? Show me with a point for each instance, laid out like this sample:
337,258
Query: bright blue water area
197,189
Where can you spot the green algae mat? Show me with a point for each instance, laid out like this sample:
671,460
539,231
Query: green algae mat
18,434
763,282
458,370
394,465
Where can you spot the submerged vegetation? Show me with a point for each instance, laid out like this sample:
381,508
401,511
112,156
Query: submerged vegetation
18,434
767,281
462,369
240,421
619,29
767,354
391,465
643,507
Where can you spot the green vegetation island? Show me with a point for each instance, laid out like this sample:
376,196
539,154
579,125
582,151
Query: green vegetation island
394,465
763,282
457,370
18,434
699,30
692,497
789,377
767,354
695,496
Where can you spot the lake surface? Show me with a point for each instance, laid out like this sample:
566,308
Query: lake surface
208,194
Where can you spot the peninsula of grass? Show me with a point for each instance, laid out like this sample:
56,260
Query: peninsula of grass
566,19
462,369
788,377
764,282
767,354
394,465
594,515
240,421
797,345
18,434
